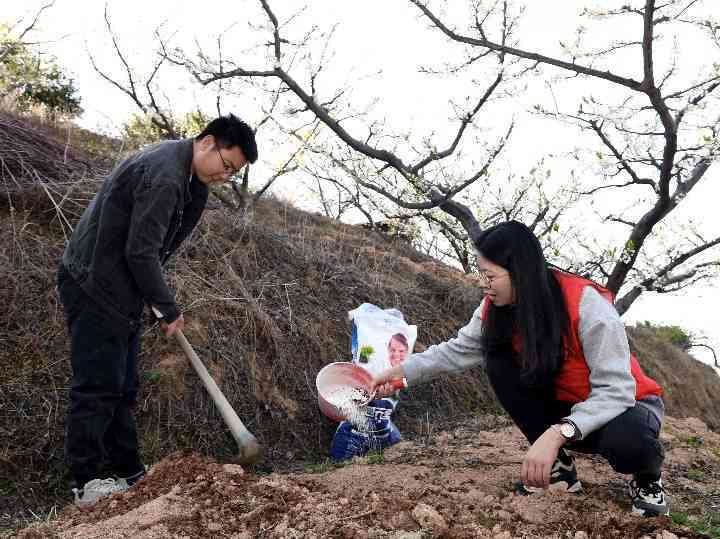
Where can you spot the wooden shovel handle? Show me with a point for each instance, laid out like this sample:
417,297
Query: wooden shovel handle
250,450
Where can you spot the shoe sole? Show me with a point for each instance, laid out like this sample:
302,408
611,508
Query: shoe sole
649,513
523,490
575,488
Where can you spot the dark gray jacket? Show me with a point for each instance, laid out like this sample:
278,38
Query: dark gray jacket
143,211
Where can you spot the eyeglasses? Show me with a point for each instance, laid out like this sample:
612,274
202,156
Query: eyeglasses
227,167
487,280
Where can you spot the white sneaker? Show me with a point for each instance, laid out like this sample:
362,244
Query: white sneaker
648,499
96,489
127,482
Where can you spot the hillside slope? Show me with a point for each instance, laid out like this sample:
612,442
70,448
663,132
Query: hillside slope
690,387
266,297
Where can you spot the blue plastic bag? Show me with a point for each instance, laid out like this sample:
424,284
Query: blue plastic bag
350,441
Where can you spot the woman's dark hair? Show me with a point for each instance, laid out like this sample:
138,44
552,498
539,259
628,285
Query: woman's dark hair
539,316
231,131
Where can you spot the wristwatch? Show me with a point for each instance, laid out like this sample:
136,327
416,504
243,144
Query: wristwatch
567,430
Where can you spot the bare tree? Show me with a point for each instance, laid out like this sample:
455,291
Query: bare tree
145,92
146,100
365,167
431,230
416,183
648,139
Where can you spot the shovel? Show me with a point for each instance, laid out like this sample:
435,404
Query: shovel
250,450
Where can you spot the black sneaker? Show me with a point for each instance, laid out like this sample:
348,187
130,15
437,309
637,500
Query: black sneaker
648,498
563,472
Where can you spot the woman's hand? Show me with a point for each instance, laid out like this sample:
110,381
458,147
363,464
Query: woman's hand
384,390
540,458
380,381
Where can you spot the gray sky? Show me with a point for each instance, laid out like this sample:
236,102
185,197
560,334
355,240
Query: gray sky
372,35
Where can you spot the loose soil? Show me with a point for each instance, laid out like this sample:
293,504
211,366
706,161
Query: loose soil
456,483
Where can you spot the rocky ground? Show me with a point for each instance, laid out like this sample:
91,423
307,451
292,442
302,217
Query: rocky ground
453,484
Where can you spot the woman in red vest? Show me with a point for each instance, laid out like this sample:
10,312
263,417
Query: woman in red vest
557,356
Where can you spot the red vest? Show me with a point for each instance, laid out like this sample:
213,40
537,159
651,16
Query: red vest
572,383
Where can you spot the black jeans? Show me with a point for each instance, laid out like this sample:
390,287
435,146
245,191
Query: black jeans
629,442
100,422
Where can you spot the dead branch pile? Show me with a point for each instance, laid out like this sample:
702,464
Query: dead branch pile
27,152
39,175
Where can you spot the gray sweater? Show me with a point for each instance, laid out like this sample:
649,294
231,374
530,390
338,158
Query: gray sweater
605,347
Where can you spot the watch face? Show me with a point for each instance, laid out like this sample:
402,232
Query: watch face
567,430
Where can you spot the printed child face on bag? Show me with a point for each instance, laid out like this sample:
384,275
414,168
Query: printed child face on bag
397,349
380,337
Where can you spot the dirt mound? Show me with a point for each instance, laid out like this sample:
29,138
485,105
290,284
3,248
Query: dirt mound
455,484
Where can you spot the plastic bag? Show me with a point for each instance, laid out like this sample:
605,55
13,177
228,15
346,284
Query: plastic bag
380,339
349,441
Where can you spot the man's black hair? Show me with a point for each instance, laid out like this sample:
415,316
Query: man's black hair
231,131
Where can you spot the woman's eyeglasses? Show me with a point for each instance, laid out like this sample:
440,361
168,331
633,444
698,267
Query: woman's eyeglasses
487,280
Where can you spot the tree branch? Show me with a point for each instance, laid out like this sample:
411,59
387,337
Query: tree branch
624,303
415,169
482,42
35,20
703,345
620,159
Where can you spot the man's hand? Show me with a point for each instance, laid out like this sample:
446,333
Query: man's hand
177,324
540,457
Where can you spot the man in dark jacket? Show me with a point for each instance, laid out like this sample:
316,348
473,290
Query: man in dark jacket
111,267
